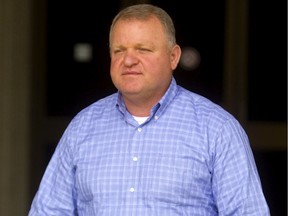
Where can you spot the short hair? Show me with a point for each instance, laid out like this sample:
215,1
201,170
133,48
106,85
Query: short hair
143,12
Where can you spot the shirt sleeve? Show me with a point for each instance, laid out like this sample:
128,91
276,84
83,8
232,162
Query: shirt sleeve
236,184
56,194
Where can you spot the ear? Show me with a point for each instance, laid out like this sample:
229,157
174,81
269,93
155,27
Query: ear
175,56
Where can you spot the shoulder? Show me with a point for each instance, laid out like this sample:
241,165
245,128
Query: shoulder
95,111
205,114
201,106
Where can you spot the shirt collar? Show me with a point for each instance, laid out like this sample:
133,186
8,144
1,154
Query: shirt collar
168,97
160,106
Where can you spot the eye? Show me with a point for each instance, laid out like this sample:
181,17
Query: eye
142,49
116,51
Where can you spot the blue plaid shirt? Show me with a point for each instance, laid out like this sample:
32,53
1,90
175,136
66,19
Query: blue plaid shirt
190,157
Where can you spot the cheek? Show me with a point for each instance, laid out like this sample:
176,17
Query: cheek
113,74
161,67
114,67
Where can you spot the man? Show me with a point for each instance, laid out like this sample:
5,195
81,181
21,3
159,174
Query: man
152,148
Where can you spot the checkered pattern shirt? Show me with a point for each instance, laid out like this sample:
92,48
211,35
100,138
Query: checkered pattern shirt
190,157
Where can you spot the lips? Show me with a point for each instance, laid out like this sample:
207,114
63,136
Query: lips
131,73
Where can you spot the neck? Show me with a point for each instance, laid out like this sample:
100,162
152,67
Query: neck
139,108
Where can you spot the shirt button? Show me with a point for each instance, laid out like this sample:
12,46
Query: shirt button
139,129
155,117
132,190
135,158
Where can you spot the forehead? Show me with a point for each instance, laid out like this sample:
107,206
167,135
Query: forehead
135,32
138,32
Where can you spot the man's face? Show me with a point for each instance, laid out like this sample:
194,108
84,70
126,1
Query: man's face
141,61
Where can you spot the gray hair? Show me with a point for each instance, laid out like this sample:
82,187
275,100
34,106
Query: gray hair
143,12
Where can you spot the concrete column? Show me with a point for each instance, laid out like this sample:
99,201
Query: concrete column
15,71
236,58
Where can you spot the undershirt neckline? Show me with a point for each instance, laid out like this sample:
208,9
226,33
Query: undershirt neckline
140,120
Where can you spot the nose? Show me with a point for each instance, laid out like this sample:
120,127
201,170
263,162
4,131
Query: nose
130,58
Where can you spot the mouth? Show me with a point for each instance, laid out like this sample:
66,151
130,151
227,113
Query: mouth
131,73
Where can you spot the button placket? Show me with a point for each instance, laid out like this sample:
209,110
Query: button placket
134,160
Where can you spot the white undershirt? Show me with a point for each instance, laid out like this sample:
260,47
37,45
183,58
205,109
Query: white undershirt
140,120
